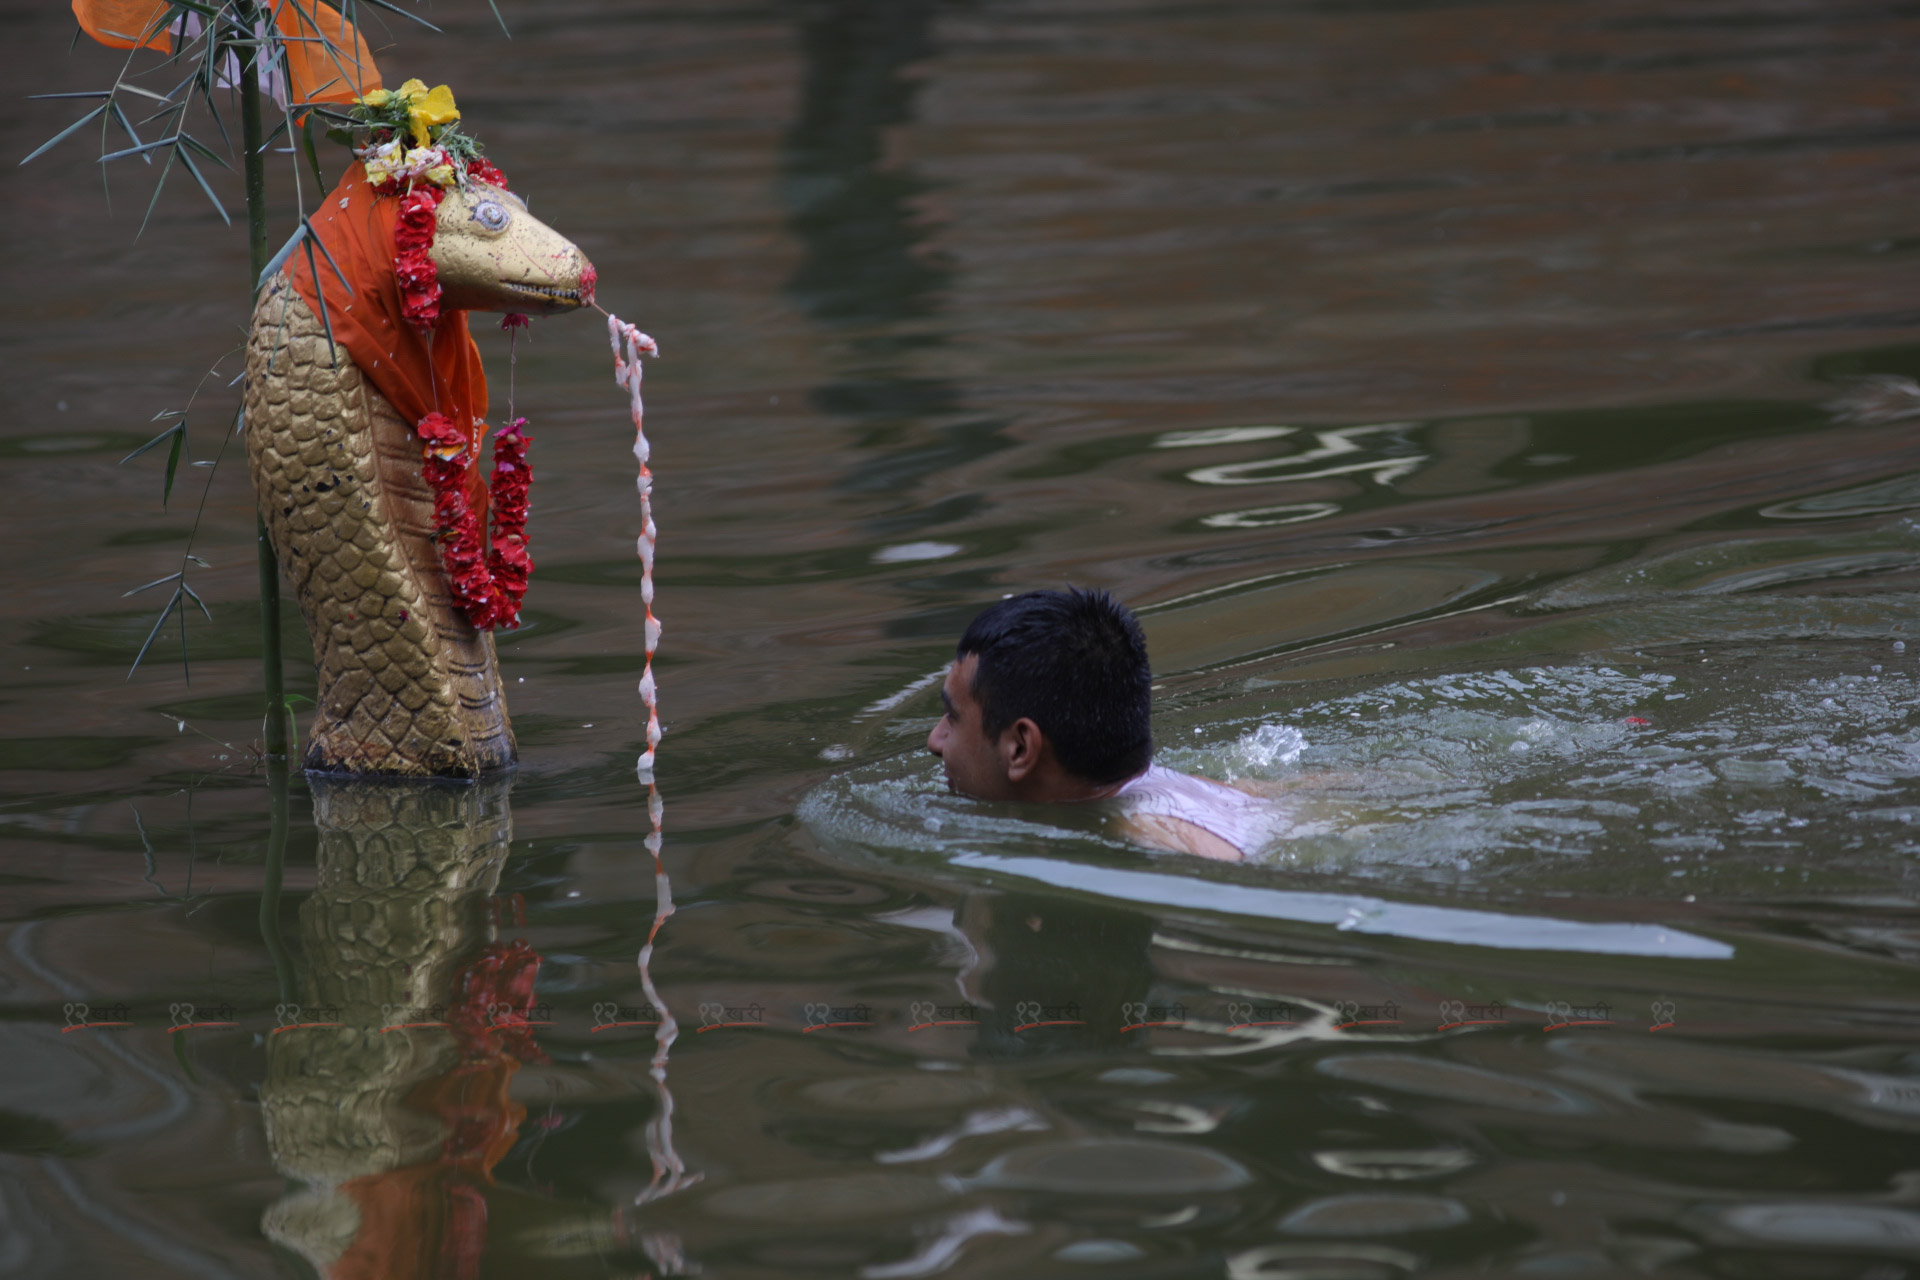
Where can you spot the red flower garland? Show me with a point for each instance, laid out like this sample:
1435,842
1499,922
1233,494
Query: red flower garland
487,585
413,264
480,169
508,561
493,1002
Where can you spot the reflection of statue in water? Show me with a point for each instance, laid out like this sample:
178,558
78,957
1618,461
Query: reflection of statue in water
396,1128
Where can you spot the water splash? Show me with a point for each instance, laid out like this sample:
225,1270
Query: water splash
1744,772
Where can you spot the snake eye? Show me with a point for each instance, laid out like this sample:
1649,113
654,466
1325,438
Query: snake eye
492,216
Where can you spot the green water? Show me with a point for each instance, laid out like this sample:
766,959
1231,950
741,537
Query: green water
1503,418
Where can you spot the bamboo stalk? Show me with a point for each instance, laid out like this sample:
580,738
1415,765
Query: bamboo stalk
280,793
252,135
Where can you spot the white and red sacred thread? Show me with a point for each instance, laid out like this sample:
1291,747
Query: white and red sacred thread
669,1170
629,344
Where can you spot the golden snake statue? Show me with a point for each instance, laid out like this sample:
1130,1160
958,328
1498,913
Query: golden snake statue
407,687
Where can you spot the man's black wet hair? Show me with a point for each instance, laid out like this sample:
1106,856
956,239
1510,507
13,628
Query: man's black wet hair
1075,663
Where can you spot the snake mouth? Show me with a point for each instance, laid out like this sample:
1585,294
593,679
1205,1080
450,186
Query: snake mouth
550,294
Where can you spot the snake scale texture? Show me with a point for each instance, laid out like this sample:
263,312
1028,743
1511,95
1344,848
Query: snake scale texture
406,685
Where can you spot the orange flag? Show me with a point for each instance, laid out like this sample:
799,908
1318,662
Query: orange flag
342,73
125,24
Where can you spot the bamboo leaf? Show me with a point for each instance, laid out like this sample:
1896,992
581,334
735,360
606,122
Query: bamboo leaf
142,149
200,178
313,156
197,560
171,109
279,259
83,93
149,586
124,87
497,18
195,596
127,124
173,461
191,141
157,188
62,136
325,319
175,429
213,109
158,623
313,237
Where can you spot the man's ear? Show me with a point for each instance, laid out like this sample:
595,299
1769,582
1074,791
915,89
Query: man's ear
1021,745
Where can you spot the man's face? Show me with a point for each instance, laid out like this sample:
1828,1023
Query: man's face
974,766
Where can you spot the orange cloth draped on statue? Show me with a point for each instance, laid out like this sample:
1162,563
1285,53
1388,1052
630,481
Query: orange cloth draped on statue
342,74
418,375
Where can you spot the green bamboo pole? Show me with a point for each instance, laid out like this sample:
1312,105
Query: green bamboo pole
252,135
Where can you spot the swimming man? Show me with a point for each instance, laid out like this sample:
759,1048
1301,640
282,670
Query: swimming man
1049,700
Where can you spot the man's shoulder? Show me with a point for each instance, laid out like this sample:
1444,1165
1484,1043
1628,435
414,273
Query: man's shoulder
1177,835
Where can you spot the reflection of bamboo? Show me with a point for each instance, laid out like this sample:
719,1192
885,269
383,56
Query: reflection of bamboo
278,786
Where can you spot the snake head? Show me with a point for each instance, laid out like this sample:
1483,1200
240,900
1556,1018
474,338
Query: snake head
493,255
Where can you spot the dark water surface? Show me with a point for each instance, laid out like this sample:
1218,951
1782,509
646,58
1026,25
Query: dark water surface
1504,416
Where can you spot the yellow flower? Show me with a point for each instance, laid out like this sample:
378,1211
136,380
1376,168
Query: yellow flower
427,109
441,175
377,98
411,89
382,162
